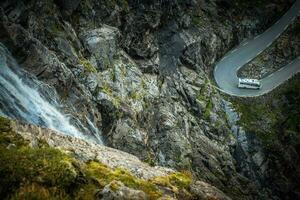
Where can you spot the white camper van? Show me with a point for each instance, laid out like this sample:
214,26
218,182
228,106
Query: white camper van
249,83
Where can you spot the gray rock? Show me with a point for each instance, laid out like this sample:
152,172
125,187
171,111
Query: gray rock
205,191
66,48
118,191
92,82
11,146
102,43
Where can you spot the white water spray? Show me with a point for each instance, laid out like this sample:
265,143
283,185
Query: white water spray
18,100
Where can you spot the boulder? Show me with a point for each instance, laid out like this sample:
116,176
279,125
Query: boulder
205,191
116,190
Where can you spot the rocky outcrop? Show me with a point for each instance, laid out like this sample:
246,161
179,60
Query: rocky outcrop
120,192
249,155
85,151
277,135
210,192
91,154
102,44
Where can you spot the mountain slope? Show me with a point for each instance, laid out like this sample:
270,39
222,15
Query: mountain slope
139,72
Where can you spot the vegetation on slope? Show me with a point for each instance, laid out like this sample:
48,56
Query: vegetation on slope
275,119
273,116
42,172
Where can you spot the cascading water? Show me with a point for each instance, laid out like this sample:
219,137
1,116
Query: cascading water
20,99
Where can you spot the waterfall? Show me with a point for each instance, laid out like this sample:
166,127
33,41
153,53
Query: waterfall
20,99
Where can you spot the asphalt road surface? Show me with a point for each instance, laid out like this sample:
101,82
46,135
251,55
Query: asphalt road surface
225,72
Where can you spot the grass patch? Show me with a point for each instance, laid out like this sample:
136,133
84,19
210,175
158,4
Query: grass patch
175,181
47,173
136,95
105,175
24,169
208,109
105,88
88,67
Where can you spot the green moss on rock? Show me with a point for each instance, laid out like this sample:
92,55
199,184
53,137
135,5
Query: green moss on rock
208,109
104,175
46,173
23,168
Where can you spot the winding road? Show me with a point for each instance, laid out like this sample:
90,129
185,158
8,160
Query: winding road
225,72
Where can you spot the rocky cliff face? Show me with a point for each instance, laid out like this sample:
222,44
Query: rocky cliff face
140,72
278,122
48,165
